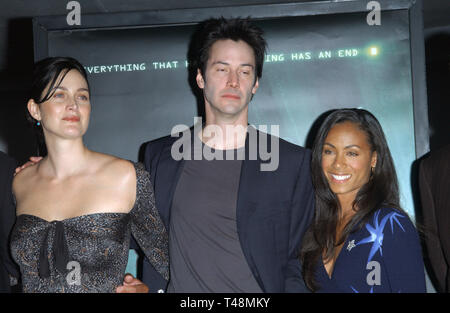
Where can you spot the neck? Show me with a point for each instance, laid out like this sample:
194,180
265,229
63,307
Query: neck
346,203
223,131
65,158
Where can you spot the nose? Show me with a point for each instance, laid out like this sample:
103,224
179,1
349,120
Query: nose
72,103
233,79
339,161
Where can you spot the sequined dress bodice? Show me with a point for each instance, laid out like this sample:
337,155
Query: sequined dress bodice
89,253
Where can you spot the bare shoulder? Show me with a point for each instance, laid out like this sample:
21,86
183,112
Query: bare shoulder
116,169
119,175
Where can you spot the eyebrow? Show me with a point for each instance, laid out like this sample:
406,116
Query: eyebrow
225,63
347,147
64,88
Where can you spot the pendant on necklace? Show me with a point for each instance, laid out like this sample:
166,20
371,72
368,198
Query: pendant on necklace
351,245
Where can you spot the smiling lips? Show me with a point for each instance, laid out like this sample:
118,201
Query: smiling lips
71,119
340,178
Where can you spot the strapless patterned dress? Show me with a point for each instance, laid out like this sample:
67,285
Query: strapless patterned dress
89,253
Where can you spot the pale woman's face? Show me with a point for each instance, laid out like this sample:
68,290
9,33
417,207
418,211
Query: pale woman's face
66,113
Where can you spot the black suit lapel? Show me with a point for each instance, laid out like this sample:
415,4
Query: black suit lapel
167,176
169,172
247,186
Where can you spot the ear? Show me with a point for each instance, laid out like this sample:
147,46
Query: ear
255,87
373,162
34,110
200,80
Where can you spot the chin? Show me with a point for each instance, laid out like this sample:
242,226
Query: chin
339,191
231,109
72,137
73,134
346,191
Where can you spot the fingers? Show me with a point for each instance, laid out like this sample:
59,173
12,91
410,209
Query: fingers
129,279
33,161
132,285
20,168
141,288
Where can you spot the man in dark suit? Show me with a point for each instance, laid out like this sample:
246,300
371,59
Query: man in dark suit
7,218
434,180
235,224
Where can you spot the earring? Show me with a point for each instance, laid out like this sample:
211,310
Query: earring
38,123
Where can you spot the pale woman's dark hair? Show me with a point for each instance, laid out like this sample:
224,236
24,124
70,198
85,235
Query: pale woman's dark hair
49,72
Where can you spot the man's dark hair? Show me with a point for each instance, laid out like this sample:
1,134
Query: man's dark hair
46,73
236,29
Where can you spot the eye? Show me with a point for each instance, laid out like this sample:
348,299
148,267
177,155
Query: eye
352,153
327,151
246,71
84,97
58,95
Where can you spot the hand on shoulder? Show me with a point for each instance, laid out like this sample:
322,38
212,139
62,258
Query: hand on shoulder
33,161
24,177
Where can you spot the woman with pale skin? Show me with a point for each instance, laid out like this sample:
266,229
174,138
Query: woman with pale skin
360,239
77,208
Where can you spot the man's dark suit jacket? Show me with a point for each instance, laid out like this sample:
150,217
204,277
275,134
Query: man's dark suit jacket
273,211
7,219
434,179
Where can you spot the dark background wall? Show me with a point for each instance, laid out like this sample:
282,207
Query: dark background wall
16,59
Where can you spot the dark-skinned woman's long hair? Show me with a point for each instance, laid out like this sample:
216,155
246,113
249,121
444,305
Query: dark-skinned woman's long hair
380,191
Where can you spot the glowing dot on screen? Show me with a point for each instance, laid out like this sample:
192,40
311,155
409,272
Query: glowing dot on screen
373,51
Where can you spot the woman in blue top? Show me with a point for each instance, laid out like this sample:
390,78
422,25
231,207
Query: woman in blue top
360,239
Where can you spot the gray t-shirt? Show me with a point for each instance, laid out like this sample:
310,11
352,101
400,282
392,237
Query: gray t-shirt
205,252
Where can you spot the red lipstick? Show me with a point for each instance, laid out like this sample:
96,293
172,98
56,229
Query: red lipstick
71,119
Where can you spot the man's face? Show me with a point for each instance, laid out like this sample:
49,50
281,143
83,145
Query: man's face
229,81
